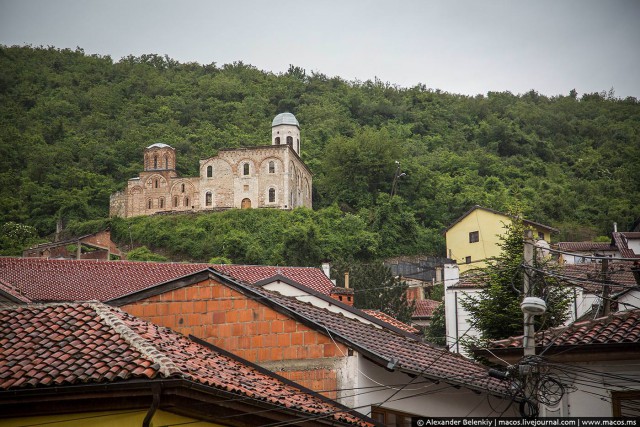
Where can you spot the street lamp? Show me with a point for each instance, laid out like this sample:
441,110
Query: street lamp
396,176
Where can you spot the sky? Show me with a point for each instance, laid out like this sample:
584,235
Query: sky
466,47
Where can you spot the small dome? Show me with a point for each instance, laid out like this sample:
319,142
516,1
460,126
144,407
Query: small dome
285,119
159,145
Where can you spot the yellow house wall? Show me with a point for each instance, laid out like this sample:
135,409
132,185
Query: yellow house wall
490,226
131,418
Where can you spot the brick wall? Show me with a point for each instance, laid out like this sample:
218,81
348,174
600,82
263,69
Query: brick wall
249,329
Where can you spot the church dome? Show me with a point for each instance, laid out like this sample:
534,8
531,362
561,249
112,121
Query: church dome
159,145
285,119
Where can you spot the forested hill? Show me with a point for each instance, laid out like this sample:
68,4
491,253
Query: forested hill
73,128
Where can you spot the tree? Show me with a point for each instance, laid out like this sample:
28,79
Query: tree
144,254
376,288
436,332
15,237
495,310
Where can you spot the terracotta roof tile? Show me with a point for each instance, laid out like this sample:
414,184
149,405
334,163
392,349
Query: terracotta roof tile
617,328
588,275
311,277
130,348
585,246
425,308
12,292
44,280
412,355
392,321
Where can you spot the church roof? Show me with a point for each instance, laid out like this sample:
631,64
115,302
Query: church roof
159,145
285,119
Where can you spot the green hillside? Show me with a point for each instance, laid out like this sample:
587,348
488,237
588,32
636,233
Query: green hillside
73,128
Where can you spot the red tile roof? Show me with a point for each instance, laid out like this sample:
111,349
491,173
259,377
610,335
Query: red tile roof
425,308
589,275
83,280
620,240
617,328
47,345
585,246
12,293
412,355
391,320
311,277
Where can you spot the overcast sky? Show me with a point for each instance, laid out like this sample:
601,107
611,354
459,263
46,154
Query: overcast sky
469,47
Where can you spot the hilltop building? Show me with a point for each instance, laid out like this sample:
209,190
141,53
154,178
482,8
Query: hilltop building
271,176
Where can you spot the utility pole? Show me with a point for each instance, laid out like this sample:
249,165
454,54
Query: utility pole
528,339
606,290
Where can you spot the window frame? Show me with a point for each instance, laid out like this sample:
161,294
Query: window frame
474,236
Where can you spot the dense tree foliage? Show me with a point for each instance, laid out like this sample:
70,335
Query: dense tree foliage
73,128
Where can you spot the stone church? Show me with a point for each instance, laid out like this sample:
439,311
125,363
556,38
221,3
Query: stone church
271,176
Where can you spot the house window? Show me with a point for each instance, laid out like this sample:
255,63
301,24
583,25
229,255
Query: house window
245,169
272,167
209,171
272,195
182,188
155,162
175,202
186,202
150,204
155,183
540,235
161,203
277,140
474,237
390,418
208,199
290,140
467,260
166,162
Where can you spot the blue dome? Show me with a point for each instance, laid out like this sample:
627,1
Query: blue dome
285,119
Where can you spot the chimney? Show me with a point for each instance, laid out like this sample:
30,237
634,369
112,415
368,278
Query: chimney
615,227
343,295
346,280
326,268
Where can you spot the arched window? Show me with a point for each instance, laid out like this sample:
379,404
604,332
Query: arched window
175,201
155,162
208,200
245,170
186,202
289,140
155,183
161,202
272,167
182,188
272,195
166,162
209,171
150,204
277,140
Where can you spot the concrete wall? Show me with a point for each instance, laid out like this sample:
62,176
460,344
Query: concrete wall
421,396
